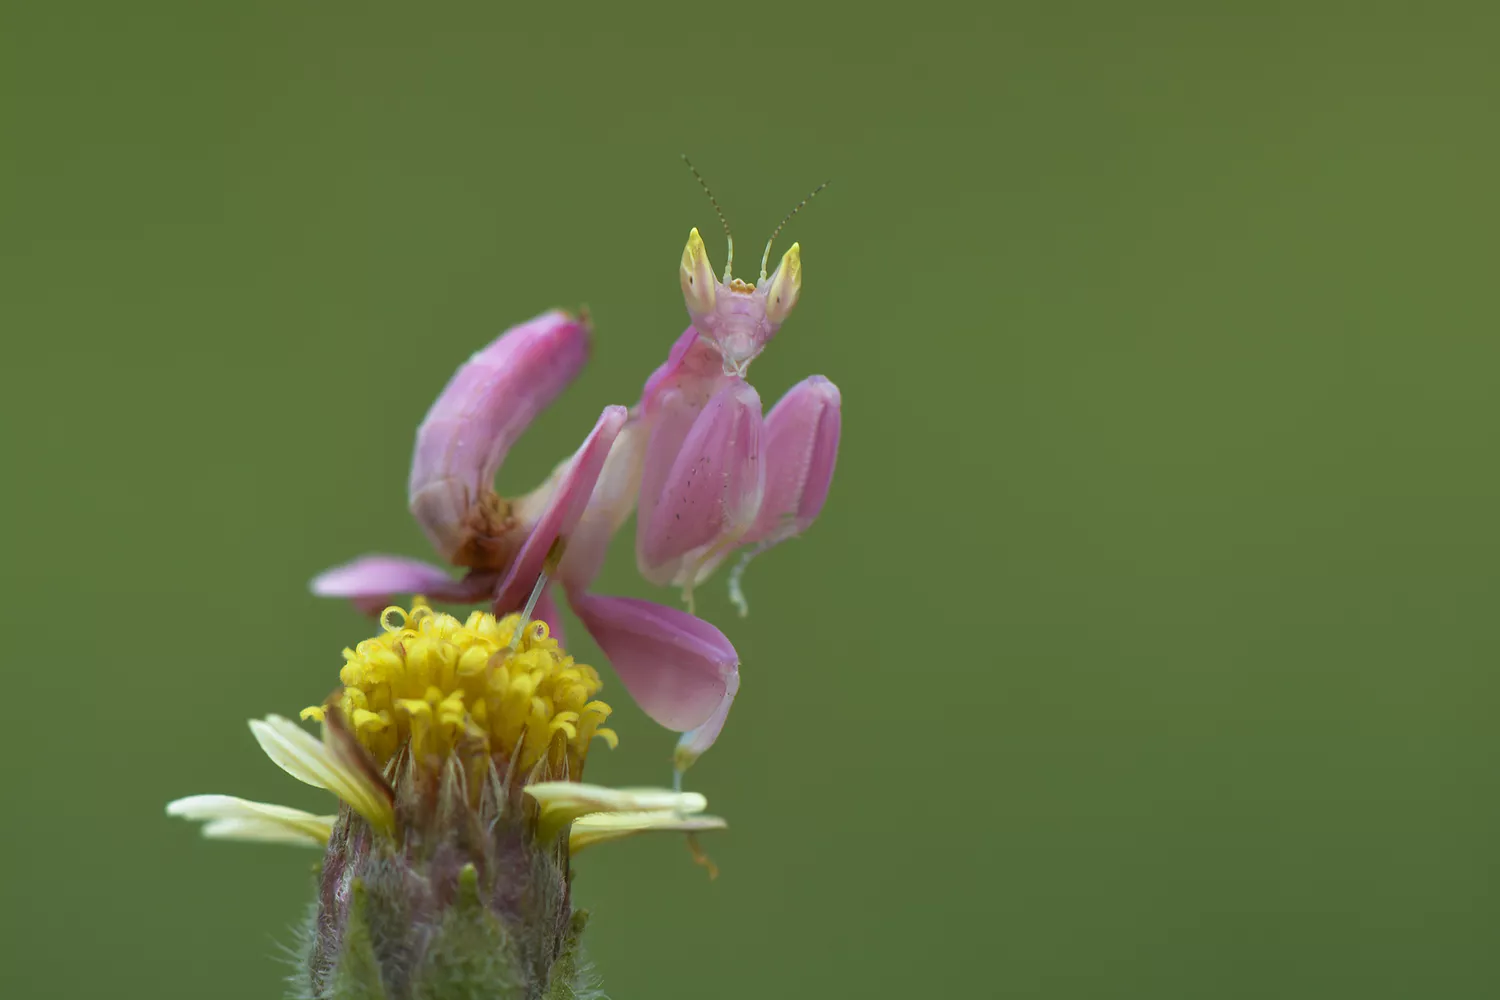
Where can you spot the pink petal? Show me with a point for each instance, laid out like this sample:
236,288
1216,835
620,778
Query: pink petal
373,582
801,445
695,741
485,406
712,487
566,497
678,668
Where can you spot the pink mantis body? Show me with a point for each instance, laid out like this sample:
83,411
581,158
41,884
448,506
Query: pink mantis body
710,485
714,476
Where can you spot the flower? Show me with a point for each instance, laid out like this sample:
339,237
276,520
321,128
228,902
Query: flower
456,750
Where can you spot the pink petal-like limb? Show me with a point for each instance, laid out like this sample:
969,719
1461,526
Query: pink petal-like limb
609,506
373,582
668,428
680,388
677,667
711,489
801,446
693,361
695,741
466,434
561,500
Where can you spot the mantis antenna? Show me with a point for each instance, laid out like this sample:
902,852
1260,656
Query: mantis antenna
766,257
728,264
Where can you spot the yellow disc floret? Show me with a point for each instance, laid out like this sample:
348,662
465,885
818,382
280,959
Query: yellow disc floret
442,685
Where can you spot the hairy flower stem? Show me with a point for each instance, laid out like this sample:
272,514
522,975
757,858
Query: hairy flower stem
473,907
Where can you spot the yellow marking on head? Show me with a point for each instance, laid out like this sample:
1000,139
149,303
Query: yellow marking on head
697,275
786,285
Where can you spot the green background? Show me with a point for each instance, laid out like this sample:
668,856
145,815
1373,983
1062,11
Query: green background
1146,646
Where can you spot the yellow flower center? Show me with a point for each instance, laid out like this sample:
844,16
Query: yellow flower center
442,685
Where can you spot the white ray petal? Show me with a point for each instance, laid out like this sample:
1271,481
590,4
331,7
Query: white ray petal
295,751
601,827
230,818
562,802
